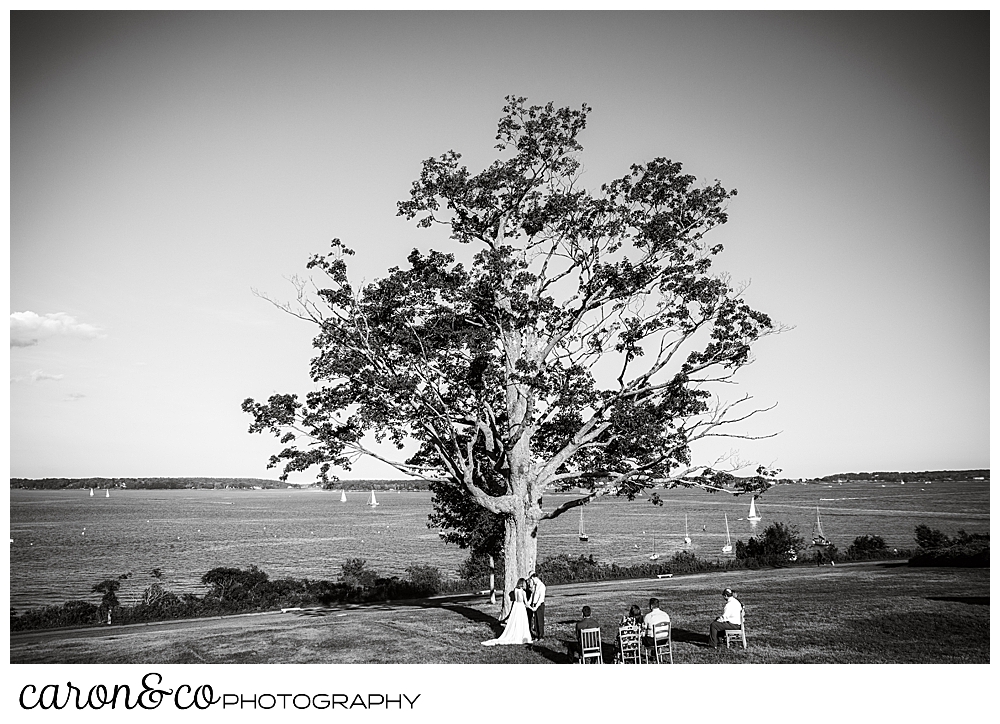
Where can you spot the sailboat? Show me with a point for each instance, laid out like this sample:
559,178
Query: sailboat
654,556
687,537
371,499
343,496
583,533
753,516
729,543
91,492
107,493
819,538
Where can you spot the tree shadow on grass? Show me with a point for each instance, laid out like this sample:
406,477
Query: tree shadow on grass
454,604
477,616
682,635
556,657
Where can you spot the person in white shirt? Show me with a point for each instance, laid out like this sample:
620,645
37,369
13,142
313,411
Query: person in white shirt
729,620
536,606
652,618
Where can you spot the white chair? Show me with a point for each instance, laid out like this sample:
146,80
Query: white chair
737,634
590,645
662,647
629,644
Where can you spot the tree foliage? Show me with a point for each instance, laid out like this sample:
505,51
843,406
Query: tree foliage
578,343
777,543
867,545
109,587
234,584
930,538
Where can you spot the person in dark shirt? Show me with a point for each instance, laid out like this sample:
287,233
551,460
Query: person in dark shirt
588,621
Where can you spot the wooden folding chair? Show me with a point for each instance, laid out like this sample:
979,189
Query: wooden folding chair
590,645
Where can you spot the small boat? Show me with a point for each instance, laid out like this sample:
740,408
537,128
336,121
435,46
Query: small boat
371,499
687,536
654,556
583,532
107,493
343,496
91,492
753,516
728,548
819,538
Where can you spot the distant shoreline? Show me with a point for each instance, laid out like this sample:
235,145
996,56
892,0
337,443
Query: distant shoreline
209,483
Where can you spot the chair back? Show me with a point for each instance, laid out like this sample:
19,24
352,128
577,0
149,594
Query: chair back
590,645
739,634
662,648
629,641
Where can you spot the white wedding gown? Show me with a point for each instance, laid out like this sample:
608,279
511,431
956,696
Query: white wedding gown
517,631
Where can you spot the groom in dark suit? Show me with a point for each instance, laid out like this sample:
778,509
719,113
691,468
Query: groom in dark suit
536,606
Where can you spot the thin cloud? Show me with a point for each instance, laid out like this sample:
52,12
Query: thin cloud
39,376
28,329
75,396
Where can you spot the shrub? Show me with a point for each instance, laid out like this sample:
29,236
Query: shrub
965,550
777,544
354,574
867,546
929,539
109,587
234,585
426,580
71,613
476,568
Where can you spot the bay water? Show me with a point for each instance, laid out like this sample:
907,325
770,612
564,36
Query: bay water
65,541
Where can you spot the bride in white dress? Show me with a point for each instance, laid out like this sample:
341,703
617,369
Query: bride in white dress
517,631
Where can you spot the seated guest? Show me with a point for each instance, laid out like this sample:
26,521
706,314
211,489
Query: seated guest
632,618
729,620
652,618
586,622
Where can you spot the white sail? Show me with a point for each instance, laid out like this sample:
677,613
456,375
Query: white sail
583,530
729,543
753,514
371,500
687,536
654,555
819,537
343,496
91,492
107,493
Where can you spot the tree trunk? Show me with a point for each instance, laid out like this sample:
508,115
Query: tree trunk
520,547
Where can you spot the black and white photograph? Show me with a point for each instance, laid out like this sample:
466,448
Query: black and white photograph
408,346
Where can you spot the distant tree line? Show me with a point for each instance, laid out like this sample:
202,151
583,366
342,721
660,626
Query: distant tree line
203,484
250,483
910,477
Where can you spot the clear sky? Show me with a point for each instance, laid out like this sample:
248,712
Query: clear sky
164,165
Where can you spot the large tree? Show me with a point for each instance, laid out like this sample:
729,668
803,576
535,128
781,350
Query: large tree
579,344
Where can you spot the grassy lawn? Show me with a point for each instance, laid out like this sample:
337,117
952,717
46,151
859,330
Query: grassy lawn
859,613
